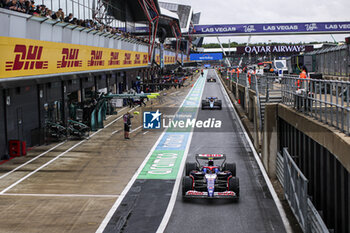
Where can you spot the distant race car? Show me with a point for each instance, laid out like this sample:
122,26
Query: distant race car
211,80
211,103
209,180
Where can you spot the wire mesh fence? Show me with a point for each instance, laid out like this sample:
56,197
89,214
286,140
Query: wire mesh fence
325,100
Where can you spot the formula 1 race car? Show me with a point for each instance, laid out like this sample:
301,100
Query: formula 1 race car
209,180
211,80
211,103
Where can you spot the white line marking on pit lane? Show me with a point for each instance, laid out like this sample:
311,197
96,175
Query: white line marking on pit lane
130,132
136,129
58,156
118,111
44,153
127,188
163,224
174,93
59,195
116,131
132,181
261,166
145,132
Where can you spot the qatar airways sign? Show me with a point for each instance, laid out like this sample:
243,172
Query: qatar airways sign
272,28
275,49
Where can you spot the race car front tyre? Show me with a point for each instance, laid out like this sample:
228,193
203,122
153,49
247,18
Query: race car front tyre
230,167
190,167
233,185
187,184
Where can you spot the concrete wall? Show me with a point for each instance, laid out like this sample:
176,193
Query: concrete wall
337,143
270,139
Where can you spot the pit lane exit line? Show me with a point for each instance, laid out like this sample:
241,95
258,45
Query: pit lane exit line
135,176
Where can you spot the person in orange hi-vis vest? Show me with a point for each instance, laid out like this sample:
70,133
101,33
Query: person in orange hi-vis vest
238,71
250,73
302,75
301,85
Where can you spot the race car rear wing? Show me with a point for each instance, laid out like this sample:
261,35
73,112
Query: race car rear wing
210,157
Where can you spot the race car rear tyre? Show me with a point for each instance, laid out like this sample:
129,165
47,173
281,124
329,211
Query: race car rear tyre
190,167
233,185
231,167
187,184
219,102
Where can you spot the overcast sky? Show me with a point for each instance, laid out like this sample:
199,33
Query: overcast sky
270,11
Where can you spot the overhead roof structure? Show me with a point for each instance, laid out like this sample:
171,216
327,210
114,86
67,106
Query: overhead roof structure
128,10
184,13
166,19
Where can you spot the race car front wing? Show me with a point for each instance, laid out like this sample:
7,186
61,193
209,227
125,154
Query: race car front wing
219,195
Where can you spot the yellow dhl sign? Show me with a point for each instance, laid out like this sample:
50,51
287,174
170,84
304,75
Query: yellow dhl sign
24,57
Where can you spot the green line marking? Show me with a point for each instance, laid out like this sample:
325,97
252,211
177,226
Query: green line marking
165,160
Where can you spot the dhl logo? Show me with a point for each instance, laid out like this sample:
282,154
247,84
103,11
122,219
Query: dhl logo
169,59
27,59
96,58
69,58
127,59
145,59
137,59
114,60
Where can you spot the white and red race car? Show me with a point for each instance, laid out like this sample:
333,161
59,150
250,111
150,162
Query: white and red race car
209,180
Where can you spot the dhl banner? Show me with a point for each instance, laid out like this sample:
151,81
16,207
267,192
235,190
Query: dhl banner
167,59
23,57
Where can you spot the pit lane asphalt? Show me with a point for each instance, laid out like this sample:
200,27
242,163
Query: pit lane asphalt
145,204
256,210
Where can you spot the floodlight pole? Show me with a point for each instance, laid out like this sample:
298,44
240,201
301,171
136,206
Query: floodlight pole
223,51
240,62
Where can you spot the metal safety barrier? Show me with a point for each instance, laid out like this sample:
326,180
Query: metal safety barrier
327,101
242,79
295,186
280,168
